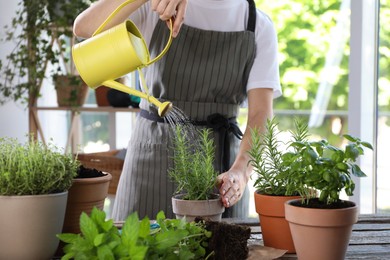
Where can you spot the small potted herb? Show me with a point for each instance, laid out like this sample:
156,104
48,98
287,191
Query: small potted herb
194,174
321,225
273,189
34,183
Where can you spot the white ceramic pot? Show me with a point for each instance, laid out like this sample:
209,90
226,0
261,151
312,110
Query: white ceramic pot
211,209
29,224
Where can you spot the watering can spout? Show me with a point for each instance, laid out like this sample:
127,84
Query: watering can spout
113,53
163,107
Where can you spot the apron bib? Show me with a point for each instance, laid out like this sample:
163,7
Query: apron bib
203,73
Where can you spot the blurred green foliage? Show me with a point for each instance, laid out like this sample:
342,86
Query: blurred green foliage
304,36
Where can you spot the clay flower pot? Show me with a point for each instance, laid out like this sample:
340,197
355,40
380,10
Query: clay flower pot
274,227
321,234
211,209
84,195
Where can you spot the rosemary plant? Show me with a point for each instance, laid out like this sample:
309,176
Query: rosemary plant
34,169
193,170
266,157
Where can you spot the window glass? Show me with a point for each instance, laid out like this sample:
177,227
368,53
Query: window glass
383,175
313,47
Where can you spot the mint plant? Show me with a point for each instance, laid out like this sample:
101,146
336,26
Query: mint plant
34,168
193,170
101,239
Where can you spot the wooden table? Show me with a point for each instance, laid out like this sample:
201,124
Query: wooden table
370,238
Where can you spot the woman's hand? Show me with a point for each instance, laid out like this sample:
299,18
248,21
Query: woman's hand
231,186
168,9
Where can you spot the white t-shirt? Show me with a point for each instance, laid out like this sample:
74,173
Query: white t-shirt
227,15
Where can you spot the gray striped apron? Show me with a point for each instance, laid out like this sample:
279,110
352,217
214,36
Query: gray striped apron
204,73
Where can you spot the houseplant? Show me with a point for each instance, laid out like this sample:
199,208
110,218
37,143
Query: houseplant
71,89
34,183
321,225
41,27
272,188
195,176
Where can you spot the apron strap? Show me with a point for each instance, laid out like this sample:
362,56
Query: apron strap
223,126
252,16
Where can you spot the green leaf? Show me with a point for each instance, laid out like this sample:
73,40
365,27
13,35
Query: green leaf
104,253
99,239
170,238
368,145
107,225
342,166
357,171
138,252
88,227
130,230
351,152
144,229
68,237
350,138
98,216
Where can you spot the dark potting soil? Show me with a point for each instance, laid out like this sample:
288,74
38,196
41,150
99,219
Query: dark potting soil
228,241
317,204
84,172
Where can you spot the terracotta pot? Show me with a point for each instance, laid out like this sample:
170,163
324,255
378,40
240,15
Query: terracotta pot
321,234
101,96
274,227
71,90
211,209
29,224
84,195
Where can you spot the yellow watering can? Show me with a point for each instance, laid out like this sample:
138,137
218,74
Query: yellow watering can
113,53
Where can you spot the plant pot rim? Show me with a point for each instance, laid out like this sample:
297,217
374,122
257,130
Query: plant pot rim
289,202
179,197
36,195
98,179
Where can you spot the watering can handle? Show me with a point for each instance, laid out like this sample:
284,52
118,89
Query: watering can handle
100,28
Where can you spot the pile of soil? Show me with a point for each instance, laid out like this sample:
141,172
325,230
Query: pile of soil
84,172
228,241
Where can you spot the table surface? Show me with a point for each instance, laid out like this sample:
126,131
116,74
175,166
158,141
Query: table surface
370,238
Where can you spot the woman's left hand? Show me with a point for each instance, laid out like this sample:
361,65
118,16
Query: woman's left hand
231,185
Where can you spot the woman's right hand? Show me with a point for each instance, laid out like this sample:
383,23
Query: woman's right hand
167,9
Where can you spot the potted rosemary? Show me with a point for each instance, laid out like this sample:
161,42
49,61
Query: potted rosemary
34,184
272,188
194,174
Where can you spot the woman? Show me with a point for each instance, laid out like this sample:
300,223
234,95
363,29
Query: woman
224,52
